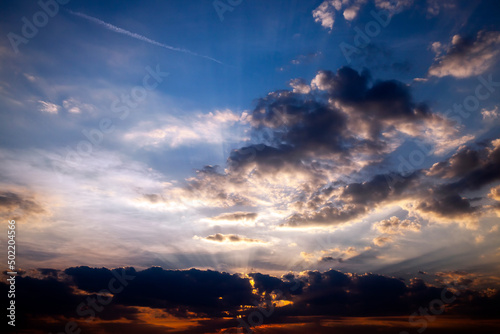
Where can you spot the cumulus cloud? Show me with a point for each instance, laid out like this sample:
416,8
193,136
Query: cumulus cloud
495,193
394,225
393,6
330,10
452,206
325,13
490,115
358,124
384,111
462,162
468,170
300,86
345,122
382,240
466,57
437,194
308,146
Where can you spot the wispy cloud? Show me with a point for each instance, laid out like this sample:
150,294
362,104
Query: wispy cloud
138,36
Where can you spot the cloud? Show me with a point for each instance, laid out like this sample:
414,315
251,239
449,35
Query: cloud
187,290
465,171
495,193
382,240
74,106
230,238
380,114
434,7
341,129
208,301
236,216
138,36
333,255
48,107
358,123
466,57
172,131
393,6
346,122
326,12
490,115
307,58
452,206
434,194
394,225
13,203
300,86
476,178
329,259
70,105
462,162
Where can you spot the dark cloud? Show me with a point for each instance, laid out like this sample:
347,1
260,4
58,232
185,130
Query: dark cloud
461,163
345,117
195,293
287,286
486,173
377,189
153,198
92,279
388,99
468,170
345,121
297,127
177,291
236,216
327,215
219,237
11,201
449,206
328,259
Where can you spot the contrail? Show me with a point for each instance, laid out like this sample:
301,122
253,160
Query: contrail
139,37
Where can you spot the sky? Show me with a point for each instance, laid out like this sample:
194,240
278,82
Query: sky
338,158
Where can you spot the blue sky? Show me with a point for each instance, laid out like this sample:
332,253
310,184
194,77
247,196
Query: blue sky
232,148
145,184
